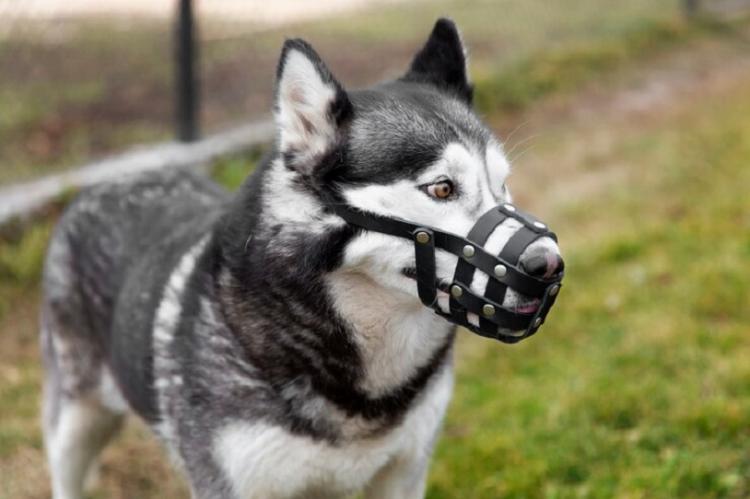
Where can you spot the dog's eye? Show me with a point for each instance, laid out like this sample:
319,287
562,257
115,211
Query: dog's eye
441,190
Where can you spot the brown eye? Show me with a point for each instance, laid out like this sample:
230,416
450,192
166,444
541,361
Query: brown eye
441,190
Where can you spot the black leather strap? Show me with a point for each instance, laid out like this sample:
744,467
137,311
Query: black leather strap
527,219
515,278
501,317
424,253
464,273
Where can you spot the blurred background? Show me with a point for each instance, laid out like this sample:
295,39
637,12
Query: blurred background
628,126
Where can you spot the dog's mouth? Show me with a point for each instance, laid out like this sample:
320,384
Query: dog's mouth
411,273
527,306
523,304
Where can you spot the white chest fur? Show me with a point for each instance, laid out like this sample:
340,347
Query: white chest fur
265,461
394,332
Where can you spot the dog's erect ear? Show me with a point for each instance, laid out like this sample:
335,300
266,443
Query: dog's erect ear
311,107
442,61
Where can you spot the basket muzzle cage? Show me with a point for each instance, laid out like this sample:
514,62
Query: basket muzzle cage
504,270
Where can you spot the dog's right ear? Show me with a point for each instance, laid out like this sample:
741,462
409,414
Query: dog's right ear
311,107
442,62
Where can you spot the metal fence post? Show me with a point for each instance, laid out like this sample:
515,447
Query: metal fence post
186,77
691,7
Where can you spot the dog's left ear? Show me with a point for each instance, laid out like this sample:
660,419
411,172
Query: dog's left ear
311,107
442,62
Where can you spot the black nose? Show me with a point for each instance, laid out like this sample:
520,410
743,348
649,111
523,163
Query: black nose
543,263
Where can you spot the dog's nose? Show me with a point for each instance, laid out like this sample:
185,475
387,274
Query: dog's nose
543,263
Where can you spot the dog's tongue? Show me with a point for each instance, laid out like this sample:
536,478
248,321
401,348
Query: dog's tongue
528,308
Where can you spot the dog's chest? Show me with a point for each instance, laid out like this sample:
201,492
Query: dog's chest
264,460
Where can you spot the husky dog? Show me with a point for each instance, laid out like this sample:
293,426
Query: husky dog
276,350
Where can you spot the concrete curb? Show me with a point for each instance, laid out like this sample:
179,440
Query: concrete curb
23,199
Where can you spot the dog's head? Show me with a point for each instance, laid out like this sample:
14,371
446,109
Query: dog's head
412,148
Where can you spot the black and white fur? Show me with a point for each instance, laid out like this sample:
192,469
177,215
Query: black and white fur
276,351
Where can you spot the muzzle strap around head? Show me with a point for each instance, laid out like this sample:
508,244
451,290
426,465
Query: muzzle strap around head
503,270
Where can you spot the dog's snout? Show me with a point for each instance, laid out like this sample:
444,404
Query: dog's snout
543,262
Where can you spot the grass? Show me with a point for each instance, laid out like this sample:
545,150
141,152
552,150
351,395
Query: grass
498,30
639,386
552,71
231,172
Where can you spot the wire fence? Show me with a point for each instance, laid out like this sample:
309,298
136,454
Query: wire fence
83,79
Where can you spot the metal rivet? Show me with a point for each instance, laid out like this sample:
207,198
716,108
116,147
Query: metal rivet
468,251
423,237
554,290
537,322
510,207
500,270
539,225
456,291
488,310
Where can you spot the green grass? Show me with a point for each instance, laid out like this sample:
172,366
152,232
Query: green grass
502,29
21,255
555,70
231,172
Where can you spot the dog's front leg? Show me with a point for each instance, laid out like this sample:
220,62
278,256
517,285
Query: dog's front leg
402,478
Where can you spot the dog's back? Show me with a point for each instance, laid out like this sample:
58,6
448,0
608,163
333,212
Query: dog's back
112,237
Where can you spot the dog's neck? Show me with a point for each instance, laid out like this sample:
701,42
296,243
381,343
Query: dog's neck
368,349
395,334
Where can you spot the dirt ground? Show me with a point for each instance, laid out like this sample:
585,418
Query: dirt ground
569,131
